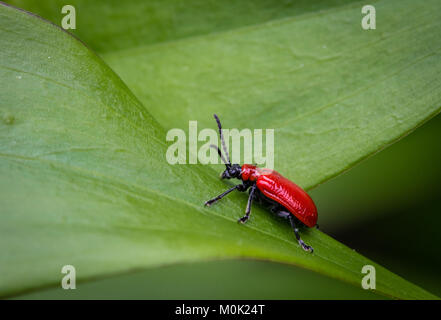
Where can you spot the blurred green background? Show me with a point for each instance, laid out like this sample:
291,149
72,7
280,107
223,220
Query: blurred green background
387,208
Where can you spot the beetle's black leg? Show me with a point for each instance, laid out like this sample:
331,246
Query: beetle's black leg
239,187
284,214
248,209
317,226
296,232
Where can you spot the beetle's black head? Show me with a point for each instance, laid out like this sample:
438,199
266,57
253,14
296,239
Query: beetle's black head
232,170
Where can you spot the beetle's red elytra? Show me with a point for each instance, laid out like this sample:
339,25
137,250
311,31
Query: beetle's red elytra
267,186
282,190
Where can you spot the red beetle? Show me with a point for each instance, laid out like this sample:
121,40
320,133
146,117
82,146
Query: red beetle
286,198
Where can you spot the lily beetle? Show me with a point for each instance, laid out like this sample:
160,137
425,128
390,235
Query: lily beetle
284,197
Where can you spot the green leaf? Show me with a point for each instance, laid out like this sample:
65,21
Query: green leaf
84,179
333,92
111,25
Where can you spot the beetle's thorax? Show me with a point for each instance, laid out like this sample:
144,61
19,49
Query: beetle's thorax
251,172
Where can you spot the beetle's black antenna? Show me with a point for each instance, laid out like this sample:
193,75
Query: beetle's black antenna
219,152
222,139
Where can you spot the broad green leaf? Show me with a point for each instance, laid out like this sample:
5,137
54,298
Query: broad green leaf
333,92
84,179
111,25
